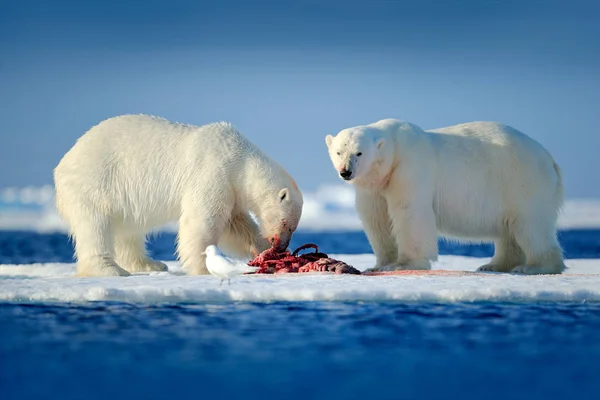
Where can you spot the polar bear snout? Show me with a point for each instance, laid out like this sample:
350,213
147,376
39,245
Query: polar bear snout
346,174
282,245
280,242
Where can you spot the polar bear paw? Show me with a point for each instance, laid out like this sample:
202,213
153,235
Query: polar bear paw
398,266
148,266
494,268
538,270
99,268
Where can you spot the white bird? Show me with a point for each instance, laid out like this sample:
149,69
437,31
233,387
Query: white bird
223,267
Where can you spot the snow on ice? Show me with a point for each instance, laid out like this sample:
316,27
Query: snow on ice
57,283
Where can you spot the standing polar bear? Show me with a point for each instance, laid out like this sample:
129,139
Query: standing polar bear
133,173
477,181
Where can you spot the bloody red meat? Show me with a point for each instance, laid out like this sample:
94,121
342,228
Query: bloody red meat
272,262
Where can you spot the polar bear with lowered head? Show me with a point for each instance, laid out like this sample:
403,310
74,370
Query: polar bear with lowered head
479,181
131,174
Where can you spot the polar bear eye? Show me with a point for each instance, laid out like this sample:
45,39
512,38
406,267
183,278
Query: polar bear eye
358,154
338,153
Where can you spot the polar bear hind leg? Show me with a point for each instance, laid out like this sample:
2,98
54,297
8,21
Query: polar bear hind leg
537,237
542,251
131,253
94,246
507,255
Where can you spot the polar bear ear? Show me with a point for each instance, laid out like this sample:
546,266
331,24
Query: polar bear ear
328,140
284,195
380,143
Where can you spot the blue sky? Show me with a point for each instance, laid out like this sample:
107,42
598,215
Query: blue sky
288,73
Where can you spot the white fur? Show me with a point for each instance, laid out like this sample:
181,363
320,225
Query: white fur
477,181
131,174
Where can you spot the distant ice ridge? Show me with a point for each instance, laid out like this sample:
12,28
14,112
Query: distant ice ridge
57,283
329,208
29,208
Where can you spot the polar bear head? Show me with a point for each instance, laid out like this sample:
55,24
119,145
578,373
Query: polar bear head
280,209
353,151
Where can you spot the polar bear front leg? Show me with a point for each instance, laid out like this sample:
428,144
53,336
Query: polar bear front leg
373,212
414,227
204,218
196,233
242,237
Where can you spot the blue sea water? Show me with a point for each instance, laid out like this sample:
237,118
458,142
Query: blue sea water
319,350
25,247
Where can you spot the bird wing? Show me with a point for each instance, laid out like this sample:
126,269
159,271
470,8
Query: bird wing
244,268
223,266
217,266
